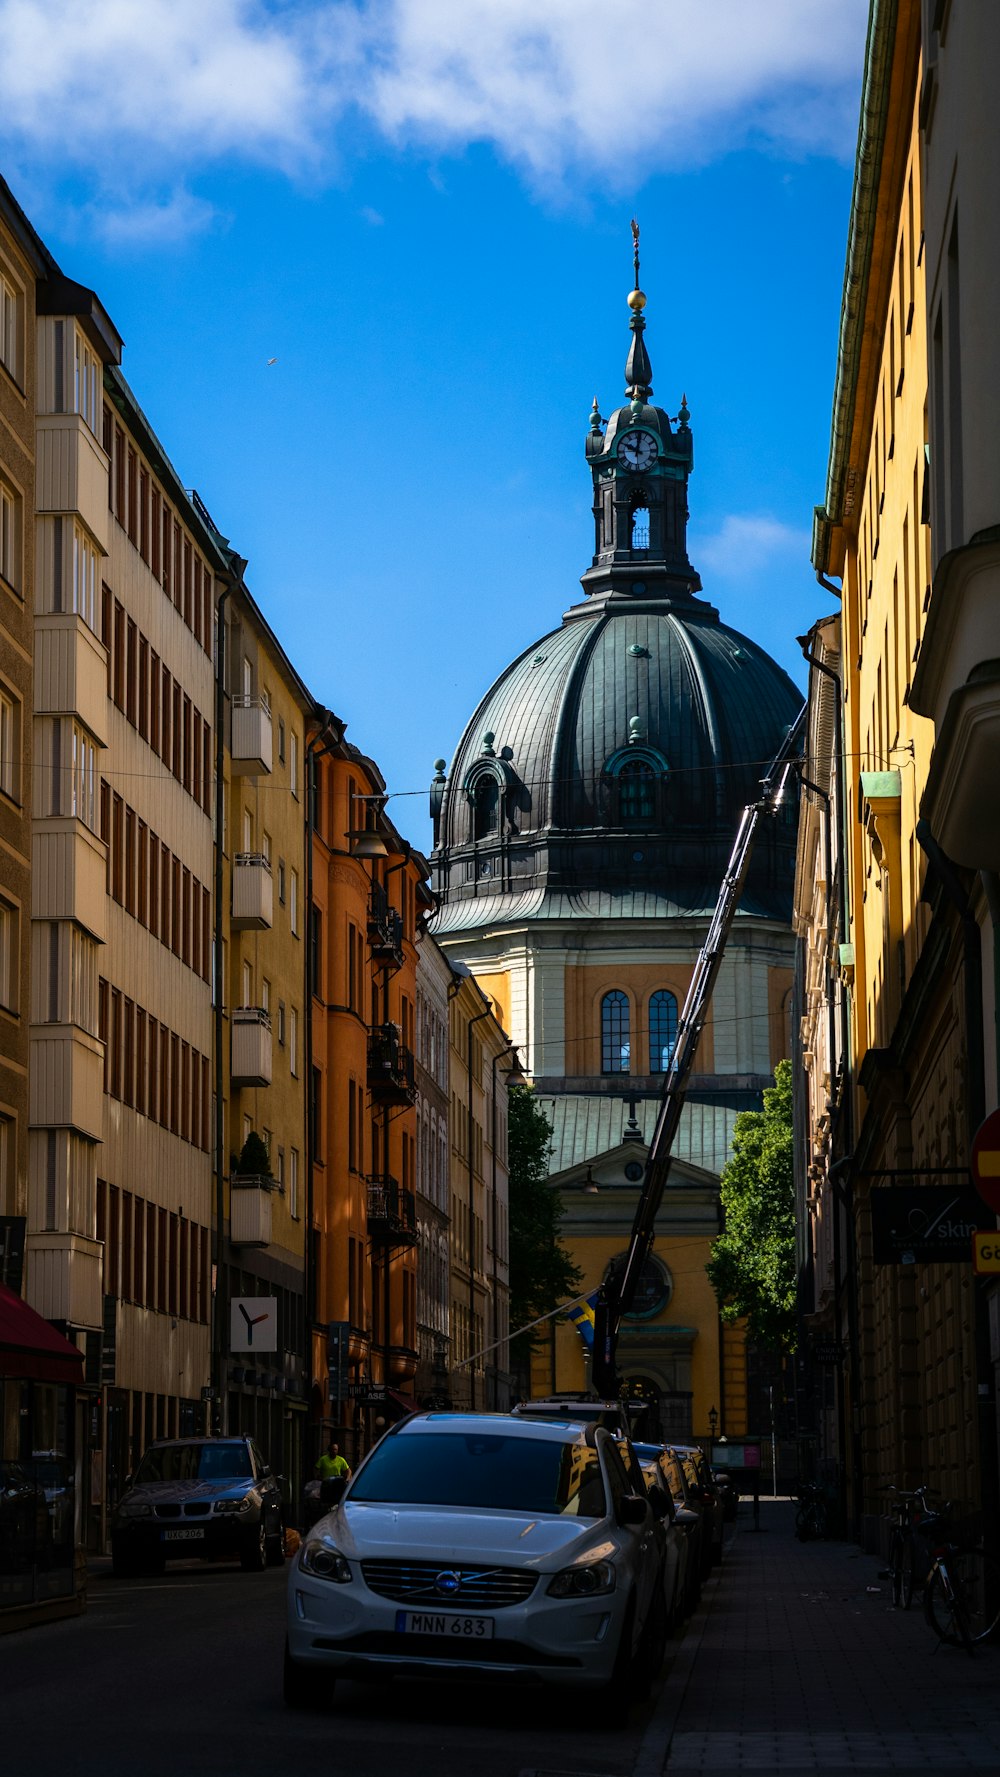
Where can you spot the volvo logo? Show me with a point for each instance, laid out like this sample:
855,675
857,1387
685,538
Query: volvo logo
448,1584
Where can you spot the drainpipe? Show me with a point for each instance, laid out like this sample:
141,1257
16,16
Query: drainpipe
472,1204
219,1329
991,888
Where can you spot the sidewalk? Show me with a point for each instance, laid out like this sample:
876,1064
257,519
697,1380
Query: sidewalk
798,1663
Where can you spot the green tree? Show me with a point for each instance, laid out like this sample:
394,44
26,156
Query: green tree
752,1267
542,1274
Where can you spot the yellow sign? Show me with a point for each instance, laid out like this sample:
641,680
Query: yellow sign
986,1250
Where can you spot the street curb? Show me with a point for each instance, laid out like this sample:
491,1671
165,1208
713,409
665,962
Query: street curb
654,1748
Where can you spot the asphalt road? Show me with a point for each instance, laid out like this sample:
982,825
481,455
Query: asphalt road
179,1675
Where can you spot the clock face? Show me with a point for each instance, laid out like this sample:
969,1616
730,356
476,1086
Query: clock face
637,450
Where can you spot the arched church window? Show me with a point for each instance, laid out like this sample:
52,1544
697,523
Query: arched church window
486,807
636,792
640,528
662,1030
616,1047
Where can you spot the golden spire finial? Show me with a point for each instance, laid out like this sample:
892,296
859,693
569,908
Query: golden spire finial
636,300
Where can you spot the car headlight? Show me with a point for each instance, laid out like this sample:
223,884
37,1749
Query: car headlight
583,1582
134,1508
324,1561
234,1505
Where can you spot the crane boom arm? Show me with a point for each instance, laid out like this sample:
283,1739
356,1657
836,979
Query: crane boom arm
619,1293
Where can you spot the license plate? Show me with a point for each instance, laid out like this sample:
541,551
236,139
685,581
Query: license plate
193,1535
432,1622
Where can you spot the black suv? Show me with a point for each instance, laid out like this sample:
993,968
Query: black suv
212,1497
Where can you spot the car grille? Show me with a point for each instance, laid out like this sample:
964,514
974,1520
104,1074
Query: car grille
199,1508
480,1588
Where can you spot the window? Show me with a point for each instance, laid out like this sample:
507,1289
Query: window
293,904
10,746
486,807
615,1044
281,881
662,1030
635,792
293,1183
281,1023
293,1041
84,780
281,739
86,384
265,995
10,537
10,326
247,984
8,956
293,763
640,528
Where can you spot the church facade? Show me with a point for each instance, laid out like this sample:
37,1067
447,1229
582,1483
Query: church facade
581,835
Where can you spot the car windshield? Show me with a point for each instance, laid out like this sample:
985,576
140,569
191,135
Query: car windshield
195,1462
486,1469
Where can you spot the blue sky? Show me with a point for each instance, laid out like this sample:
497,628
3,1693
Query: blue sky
420,209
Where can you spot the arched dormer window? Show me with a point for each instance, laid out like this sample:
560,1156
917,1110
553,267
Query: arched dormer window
485,808
662,1030
616,1045
635,779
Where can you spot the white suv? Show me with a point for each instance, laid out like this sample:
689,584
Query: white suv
481,1545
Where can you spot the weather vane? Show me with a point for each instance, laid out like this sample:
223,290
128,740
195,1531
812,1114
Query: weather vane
635,249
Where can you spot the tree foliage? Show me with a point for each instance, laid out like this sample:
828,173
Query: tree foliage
752,1267
542,1274
254,1160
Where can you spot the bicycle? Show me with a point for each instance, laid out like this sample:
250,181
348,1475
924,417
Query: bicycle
811,1516
907,1509
962,1587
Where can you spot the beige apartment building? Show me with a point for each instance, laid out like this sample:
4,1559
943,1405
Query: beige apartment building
435,982
480,1059
261,1027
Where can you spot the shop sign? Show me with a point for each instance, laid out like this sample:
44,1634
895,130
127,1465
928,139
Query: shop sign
372,1394
253,1323
828,1351
923,1224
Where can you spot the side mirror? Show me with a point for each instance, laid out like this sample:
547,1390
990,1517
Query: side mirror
632,1509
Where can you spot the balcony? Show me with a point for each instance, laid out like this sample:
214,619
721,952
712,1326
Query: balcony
251,1052
391,1077
66,1080
71,671
253,893
250,751
64,1278
69,874
250,1210
392,1214
385,929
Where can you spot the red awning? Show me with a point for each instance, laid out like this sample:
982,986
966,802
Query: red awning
401,1400
32,1349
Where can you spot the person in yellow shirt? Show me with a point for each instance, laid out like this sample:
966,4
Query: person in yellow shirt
331,1466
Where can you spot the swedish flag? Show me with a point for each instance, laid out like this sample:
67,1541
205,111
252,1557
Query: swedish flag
582,1316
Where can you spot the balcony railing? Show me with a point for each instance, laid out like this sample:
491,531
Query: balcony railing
391,1078
251,736
250,1209
251,1062
392,1213
385,928
253,892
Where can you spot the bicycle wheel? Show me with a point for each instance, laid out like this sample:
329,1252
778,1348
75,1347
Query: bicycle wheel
976,1580
939,1608
907,1572
804,1529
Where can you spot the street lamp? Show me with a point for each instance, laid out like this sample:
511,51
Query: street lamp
713,1420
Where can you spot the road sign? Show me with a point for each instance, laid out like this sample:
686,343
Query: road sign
986,1160
986,1252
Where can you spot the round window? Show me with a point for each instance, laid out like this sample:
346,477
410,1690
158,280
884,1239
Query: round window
655,1286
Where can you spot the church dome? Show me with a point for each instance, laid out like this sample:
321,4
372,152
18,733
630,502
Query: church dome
605,771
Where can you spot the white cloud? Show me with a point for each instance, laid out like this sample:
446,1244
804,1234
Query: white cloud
747,543
153,222
147,89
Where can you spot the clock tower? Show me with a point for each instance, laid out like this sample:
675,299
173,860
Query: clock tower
640,461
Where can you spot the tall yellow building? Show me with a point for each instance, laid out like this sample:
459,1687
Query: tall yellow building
890,978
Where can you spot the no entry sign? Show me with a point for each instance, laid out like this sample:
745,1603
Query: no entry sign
986,1160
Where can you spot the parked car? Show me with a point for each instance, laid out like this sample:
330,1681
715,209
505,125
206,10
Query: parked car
688,1514
211,1497
481,1545
702,1488
673,1542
